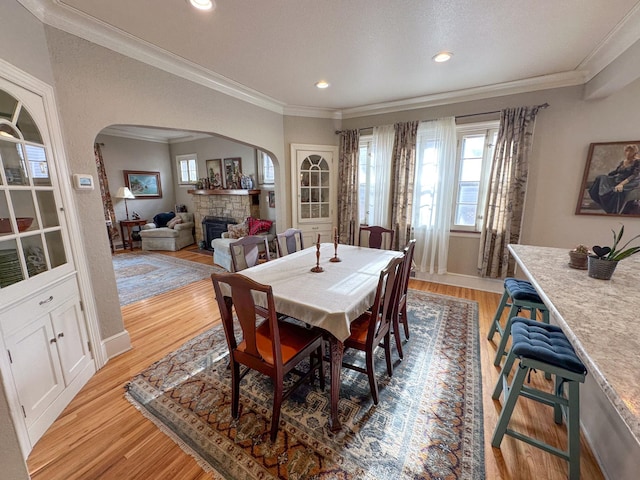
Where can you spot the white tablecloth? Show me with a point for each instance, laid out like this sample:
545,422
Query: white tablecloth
331,299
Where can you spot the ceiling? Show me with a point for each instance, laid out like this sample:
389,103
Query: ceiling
373,53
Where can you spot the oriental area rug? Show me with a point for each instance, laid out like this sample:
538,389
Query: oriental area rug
144,274
427,425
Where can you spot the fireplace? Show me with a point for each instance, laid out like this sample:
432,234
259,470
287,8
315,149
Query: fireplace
212,227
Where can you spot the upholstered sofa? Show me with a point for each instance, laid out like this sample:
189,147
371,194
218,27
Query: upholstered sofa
222,252
168,232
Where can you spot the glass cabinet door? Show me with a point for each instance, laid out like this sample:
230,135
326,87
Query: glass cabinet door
31,240
314,199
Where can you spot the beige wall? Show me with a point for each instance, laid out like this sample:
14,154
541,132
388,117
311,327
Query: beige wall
96,88
120,154
311,131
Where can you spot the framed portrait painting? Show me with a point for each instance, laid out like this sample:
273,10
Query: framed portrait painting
611,180
143,184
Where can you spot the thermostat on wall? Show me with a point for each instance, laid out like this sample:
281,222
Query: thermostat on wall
82,181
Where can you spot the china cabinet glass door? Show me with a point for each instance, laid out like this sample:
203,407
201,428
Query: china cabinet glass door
31,240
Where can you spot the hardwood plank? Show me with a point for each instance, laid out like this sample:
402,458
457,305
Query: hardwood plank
101,435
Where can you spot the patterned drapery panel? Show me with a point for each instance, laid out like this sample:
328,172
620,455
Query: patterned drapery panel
404,167
348,185
107,204
507,187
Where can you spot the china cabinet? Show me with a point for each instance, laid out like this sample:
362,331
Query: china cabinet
45,355
314,177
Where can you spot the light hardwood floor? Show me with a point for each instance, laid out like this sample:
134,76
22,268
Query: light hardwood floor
100,435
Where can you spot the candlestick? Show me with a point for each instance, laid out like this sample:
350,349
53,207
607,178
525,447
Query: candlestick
335,246
317,268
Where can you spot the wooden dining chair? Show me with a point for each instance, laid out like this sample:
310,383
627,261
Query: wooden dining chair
263,343
399,312
376,237
245,252
292,240
373,328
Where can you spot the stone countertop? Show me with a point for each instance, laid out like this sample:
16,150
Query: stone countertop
600,318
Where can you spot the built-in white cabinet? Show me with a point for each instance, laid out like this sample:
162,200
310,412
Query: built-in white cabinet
47,351
45,355
314,177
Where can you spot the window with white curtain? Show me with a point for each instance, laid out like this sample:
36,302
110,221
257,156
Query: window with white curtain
476,143
374,176
366,179
466,181
187,169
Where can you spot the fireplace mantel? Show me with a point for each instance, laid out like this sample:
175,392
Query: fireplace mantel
237,204
221,191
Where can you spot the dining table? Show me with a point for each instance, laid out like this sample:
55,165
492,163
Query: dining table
329,299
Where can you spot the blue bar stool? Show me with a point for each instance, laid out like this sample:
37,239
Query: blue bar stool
543,347
523,297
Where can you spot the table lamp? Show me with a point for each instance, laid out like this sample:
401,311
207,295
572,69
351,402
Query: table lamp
124,192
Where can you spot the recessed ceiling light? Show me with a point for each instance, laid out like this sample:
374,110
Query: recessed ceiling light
203,4
442,57
322,84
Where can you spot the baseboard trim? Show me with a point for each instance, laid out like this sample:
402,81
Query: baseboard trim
495,285
117,344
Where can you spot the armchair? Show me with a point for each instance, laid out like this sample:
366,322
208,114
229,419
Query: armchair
172,235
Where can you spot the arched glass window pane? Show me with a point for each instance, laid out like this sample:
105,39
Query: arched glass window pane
8,105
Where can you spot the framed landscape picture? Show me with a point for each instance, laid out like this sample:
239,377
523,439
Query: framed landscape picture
611,180
143,184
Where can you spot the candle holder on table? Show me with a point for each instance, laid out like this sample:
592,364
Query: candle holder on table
317,268
335,246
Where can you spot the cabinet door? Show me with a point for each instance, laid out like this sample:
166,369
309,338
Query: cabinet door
35,367
314,178
71,339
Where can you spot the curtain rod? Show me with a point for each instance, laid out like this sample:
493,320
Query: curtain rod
543,105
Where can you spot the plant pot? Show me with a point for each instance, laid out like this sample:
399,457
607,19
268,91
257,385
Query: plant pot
601,269
578,260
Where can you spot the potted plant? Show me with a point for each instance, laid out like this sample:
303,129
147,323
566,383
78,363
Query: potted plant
578,257
604,262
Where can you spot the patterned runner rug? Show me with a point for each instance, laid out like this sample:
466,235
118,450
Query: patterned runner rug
427,425
144,274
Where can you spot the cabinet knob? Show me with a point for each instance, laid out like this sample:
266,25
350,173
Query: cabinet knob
61,334
42,302
53,340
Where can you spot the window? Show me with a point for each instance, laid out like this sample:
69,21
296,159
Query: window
187,169
374,176
476,143
366,180
266,171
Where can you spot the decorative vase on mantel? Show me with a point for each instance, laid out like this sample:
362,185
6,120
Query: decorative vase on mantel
601,268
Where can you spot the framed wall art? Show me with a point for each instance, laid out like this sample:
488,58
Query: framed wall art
214,173
232,172
272,199
611,180
143,184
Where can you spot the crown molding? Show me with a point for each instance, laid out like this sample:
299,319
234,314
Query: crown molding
148,134
300,111
70,20
545,82
621,38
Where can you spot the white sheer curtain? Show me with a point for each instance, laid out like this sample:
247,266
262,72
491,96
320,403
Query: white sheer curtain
433,193
382,151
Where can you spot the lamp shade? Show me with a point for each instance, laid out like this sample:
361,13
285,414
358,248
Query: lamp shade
124,192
